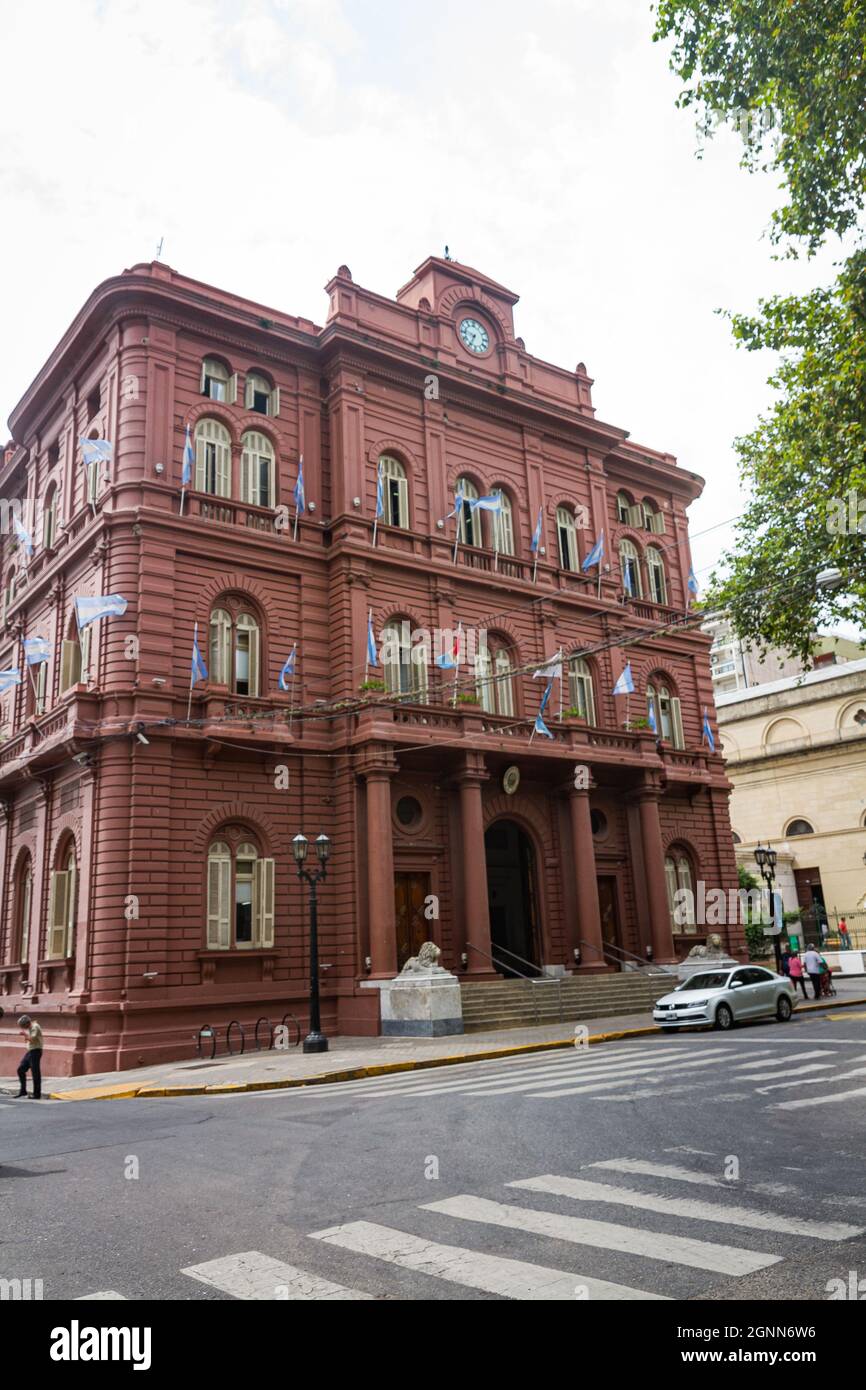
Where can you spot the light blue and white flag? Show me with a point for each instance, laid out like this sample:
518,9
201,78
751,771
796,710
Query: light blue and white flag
625,684
627,581
288,670
596,555
198,670
449,661
651,716
9,678
459,499
693,583
380,491
536,535
552,669
708,733
540,726
23,535
87,610
298,492
491,503
36,650
546,696
188,460
96,450
372,658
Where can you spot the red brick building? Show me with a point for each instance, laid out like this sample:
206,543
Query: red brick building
148,884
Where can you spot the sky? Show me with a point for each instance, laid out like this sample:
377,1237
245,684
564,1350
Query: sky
267,142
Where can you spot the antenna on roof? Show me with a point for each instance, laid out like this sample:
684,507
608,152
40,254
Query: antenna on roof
159,248
447,256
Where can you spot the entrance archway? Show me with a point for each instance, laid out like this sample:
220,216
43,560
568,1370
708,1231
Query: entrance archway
512,894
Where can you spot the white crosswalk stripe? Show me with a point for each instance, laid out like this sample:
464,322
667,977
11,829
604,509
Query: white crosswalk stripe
684,1250
816,1080
584,1191
471,1268
252,1275
818,1100
105,1296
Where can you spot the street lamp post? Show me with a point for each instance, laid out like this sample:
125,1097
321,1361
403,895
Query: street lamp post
766,862
315,1041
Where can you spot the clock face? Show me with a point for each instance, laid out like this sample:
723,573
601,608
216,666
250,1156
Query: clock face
474,335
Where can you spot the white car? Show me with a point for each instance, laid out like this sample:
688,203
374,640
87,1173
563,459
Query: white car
721,998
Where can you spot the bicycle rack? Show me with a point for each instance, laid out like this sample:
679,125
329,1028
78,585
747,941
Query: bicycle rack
267,1023
206,1031
234,1024
297,1027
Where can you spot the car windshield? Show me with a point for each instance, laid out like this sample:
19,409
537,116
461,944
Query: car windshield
715,981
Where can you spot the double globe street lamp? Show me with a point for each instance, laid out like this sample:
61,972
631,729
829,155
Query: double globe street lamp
315,1041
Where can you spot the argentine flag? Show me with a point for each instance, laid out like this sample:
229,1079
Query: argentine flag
708,733
87,610
491,503
380,491
372,658
596,555
36,650
651,716
188,460
96,450
449,661
198,670
9,678
625,684
23,535
289,669
536,535
693,583
298,491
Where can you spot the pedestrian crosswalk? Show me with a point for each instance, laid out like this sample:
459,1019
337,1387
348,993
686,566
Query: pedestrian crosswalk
612,1230
626,1072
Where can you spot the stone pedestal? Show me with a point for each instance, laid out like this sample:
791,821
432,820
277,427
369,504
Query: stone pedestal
421,1006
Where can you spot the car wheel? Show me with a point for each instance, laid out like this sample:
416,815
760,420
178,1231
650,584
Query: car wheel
783,1009
724,1018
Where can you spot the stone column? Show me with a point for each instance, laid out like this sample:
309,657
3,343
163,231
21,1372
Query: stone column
654,868
587,934
380,868
476,908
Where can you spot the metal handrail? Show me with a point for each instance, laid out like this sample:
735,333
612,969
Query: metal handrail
527,979
607,947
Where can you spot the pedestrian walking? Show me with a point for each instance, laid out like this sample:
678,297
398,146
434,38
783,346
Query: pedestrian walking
812,962
795,970
844,938
785,960
32,1059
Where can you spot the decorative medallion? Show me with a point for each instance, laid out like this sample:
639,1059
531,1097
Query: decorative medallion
511,780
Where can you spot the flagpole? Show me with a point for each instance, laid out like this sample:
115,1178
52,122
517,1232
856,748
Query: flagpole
367,646
375,525
191,674
457,667
295,533
535,565
561,673
598,595
292,691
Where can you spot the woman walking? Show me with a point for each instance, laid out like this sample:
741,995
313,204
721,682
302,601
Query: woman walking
795,970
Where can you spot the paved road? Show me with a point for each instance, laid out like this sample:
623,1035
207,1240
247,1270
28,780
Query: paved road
701,1166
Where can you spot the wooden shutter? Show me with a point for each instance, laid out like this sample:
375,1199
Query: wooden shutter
58,914
677,722
275,401
219,878
223,468
232,389
69,663
41,684
248,463
202,386
636,515
254,640
403,503
84,642
263,903
658,523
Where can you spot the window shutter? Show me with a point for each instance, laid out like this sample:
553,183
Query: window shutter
635,515
223,469
275,401
232,389
403,503
41,685
247,466
248,393
658,523
263,891
200,462
420,658
218,890
58,913
677,722
84,641
254,637
92,481
67,663
202,382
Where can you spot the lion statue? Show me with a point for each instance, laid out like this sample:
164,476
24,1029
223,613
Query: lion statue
712,948
426,962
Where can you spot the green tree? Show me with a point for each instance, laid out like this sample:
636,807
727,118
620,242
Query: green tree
791,74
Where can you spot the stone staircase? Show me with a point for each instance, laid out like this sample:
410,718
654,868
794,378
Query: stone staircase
532,1003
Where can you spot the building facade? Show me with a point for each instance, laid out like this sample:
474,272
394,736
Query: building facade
796,755
148,880
736,665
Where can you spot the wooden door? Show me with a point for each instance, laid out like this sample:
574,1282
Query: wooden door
412,927
609,916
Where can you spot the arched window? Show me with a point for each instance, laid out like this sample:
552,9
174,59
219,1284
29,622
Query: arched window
799,827
503,524
213,458
566,533
61,905
404,665
665,712
240,897
395,492
622,508
580,691
493,678
216,383
655,568
93,475
24,907
679,877
736,838
75,656
35,688
630,566
260,396
235,651
653,519
257,469
468,522
49,518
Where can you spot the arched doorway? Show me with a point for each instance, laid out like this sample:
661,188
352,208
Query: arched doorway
512,895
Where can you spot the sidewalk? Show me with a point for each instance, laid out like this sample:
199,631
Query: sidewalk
352,1058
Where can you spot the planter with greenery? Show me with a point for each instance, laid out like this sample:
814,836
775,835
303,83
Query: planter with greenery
465,697
372,685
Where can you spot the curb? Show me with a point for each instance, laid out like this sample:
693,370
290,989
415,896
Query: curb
233,1088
